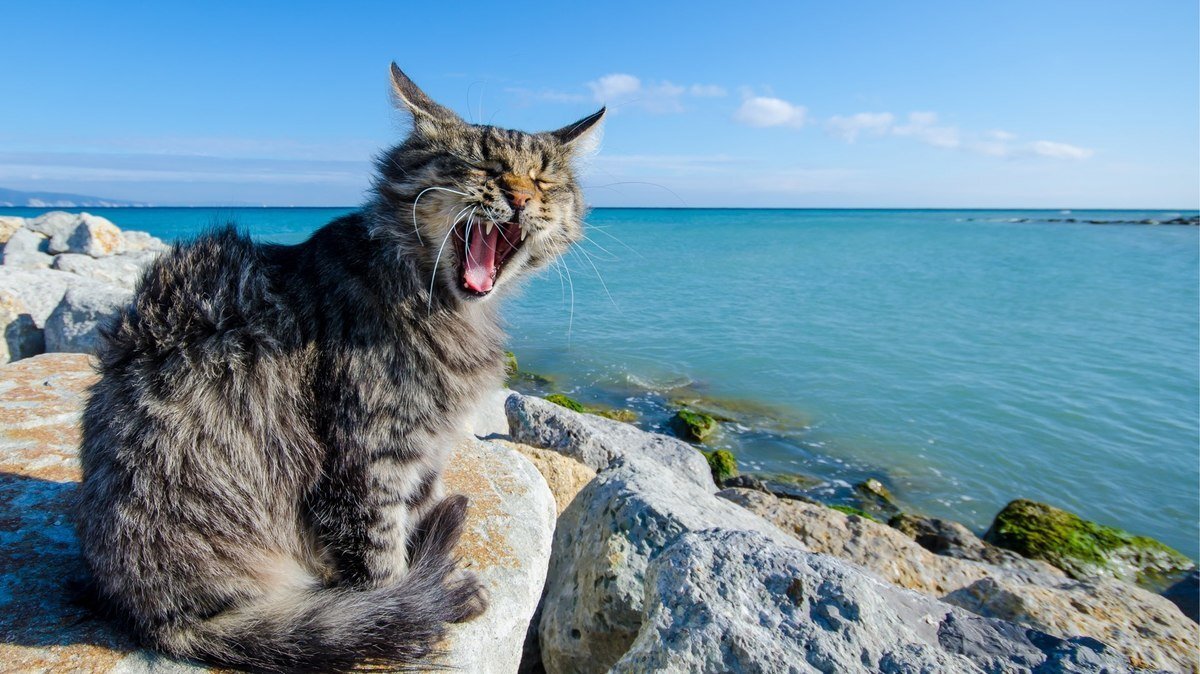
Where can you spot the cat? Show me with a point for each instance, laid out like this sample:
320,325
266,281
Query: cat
262,452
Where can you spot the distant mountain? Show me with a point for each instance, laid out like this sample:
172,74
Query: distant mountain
15,198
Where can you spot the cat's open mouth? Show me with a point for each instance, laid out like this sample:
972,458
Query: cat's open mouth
483,248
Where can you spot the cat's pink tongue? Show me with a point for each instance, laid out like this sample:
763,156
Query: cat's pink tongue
479,269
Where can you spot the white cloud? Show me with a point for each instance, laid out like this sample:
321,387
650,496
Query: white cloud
620,90
614,86
923,126
763,111
1048,148
926,127
849,128
706,91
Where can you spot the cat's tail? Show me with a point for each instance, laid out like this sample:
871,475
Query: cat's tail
339,630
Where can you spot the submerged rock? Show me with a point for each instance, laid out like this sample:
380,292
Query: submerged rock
738,601
1144,626
1082,548
723,465
693,426
1186,595
507,539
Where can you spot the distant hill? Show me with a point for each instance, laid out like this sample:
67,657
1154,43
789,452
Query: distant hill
15,198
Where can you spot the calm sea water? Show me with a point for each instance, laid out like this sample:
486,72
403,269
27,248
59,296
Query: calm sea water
963,358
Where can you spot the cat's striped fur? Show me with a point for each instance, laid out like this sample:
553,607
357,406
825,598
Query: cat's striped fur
262,454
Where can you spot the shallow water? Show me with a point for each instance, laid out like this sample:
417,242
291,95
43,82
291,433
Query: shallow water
965,359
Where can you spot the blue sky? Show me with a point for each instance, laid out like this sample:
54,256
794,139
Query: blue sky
871,104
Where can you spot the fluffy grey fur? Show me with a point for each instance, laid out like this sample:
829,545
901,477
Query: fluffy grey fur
262,454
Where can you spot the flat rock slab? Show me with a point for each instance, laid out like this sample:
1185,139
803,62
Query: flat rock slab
507,541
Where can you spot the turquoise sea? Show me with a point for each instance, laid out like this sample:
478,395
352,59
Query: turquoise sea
963,357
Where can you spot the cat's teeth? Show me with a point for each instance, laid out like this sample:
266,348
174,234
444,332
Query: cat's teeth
487,227
524,234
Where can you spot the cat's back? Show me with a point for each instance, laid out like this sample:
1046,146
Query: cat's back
217,297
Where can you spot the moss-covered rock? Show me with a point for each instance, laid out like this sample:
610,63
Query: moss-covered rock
1082,548
722,463
567,402
628,416
851,510
694,426
875,497
510,363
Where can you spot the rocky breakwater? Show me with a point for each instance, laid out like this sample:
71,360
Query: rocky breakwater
63,274
507,542
652,570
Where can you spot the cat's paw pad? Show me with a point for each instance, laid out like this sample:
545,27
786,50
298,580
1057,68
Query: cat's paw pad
468,595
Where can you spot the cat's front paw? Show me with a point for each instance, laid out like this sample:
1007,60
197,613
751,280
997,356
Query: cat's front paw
468,596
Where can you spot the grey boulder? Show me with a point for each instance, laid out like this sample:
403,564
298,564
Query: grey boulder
122,270
598,442
26,249
603,545
93,235
22,337
738,601
75,324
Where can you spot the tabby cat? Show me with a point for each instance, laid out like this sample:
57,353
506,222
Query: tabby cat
262,453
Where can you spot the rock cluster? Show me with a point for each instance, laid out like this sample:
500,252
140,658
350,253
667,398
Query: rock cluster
63,275
650,572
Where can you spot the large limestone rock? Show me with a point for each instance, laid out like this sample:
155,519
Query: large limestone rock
1144,626
21,337
598,442
93,235
137,242
39,289
54,223
507,541
74,325
565,476
602,548
9,224
26,249
736,601
119,270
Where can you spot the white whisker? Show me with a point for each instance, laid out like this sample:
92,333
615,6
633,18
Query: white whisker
418,200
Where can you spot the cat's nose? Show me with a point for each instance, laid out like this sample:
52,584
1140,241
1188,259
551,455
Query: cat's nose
518,189
518,198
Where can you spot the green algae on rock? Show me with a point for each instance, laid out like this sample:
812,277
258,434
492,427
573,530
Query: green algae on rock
1084,549
628,416
723,465
695,426
510,363
567,402
851,510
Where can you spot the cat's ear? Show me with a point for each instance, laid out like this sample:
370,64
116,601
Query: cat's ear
582,136
427,115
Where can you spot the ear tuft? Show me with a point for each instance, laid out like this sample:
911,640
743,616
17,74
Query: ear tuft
582,136
422,107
